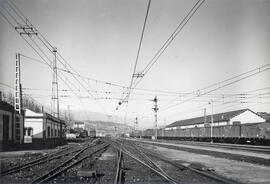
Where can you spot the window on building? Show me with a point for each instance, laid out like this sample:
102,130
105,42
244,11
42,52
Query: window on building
48,131
29,130
5,127
17,125
25,131
17,137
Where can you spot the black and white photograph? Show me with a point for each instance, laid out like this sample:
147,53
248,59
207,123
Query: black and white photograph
135,91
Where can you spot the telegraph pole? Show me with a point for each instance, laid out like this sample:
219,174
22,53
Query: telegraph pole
155,109
55,97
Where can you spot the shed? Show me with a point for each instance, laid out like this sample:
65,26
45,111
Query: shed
242,116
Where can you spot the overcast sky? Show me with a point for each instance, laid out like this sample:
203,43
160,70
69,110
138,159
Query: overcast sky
100,39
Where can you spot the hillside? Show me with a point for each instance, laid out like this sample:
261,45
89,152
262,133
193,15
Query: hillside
108,128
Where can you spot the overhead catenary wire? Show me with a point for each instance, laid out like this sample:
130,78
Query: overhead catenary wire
37,52
259,96
137,55
23,17
219,85
215,95
24,94
199,94
160,92
245,73
178,29
47,46
51,50
253,72
220,103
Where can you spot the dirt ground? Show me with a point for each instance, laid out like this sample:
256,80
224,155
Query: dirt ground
236,170
221,150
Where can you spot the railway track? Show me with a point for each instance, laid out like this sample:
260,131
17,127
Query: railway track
252,148
133,163
38,161
118,176
249,148
123,150
36,171
76,159
178,165
149,159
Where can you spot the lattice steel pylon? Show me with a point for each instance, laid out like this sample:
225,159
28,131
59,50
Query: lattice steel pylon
18,95
55,97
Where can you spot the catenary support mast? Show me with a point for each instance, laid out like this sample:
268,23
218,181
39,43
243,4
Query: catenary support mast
155,109
55,97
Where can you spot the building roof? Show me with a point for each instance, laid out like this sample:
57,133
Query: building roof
225,116
6,106
264,115
32,114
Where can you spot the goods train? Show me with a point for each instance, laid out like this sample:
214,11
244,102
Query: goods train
82,130
81,133
254,133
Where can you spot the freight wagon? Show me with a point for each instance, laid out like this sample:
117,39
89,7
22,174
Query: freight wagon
230,127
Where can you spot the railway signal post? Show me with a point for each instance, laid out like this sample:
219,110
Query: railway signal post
155,109
135,126
212,119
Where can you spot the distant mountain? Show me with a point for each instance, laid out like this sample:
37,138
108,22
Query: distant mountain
88,115
101,122
107,127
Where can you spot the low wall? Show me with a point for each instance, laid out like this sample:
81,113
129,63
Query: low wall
35,145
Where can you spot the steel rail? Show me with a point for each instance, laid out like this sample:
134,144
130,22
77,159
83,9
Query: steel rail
231,146
34,162
64,166
214,145
170,180
150,160
118,175
179,165
147,160
61,165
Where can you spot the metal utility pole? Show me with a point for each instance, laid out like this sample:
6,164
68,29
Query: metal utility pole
55,97
18,86
212,119
205,120
18,101
155,109
135,125
115,131
69,118
163,129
